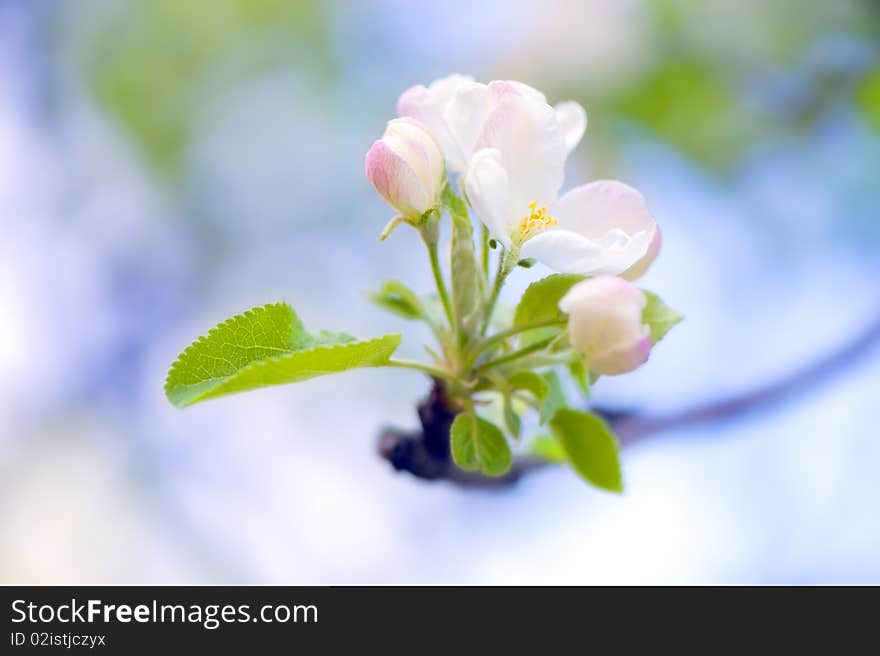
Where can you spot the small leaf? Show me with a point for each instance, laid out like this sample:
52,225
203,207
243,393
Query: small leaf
511,418
533,383
266,346
398,299
590,446
547,447
578,371
466,277
659,317
390,226
479,445
555,397
540,301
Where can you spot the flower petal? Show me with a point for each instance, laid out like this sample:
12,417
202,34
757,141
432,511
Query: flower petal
526,131
429,106
501,88
638,269
412,141
605,324
572,119
565,251
395,180
613,215
487,186
463,118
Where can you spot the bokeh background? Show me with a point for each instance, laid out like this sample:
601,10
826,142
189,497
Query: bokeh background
165,164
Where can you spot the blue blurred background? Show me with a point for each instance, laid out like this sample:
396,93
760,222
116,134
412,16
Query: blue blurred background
165,164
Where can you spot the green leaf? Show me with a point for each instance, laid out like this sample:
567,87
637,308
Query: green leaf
578,371
479,445
398,299
555,398
590,446
547,447
533,383
266,346
511,418
659,317
540,301
466,277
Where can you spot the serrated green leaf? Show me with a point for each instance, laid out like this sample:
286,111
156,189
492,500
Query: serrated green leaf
590,447
547,447
466,277
266,346
658,316
533,383
398,299
540,301
555,397
479,445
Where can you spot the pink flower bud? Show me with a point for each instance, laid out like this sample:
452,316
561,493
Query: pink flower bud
406,167
605,324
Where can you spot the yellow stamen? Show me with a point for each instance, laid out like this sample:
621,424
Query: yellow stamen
537,220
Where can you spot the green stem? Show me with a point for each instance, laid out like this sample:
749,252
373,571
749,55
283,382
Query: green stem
503,271
438,280
426,368
512,332
531,348
485,251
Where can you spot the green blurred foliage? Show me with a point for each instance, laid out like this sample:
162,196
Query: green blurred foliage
707,84
152,61
690,106
868,97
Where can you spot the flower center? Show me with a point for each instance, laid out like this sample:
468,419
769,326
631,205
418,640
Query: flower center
537,220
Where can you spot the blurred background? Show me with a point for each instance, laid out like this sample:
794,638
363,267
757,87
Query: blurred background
166,164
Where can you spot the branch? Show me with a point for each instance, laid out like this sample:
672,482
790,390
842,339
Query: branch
425,454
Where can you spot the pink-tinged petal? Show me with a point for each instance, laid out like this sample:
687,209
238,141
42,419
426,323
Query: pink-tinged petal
406,167
638,269
621,360
605,324
463,118
446,108
503,88
526,131
412,101
487,187
414,143
610,213
395,180
572,119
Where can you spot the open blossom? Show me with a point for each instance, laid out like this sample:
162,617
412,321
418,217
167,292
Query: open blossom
457,110
605,324
406,167
511,146
513,181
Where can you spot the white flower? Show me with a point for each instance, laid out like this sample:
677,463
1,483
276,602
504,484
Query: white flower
513,182
605,324
456,109
406,167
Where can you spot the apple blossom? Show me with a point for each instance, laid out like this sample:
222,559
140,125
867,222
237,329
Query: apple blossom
406,167
605,324
456,109
601,227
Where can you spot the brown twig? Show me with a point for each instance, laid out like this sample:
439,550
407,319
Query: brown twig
425,453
